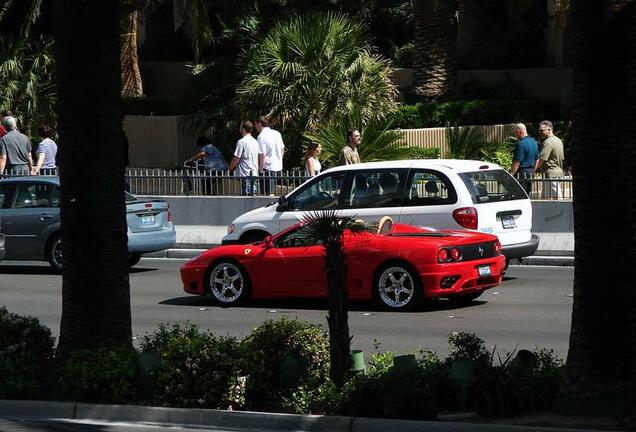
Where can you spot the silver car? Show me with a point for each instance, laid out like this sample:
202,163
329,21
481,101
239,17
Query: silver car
30,222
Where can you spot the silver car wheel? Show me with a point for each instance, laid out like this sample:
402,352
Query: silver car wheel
396,287
227,283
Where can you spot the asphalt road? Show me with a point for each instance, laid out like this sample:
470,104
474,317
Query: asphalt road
532,308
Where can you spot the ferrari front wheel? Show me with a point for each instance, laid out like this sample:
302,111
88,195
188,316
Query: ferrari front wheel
228,283
398,287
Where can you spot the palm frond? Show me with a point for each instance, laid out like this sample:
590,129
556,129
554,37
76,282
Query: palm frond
464,142
328,226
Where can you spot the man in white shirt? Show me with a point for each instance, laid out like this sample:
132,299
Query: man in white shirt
246,159
270,153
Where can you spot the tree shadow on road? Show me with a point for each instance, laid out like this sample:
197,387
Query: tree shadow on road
281,305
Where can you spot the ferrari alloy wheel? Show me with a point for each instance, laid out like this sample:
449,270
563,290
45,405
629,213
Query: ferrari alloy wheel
228,283
397,287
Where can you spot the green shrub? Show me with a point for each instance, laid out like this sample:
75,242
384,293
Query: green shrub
284,356
26,354
106,375
197,369
474,112
499,153
389,392
527,381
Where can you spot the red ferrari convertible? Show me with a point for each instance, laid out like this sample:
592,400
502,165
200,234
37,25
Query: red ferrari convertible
398,267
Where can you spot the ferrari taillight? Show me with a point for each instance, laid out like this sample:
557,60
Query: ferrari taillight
466,217
443,255
455,254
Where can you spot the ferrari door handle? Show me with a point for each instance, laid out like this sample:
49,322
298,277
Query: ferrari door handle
45,216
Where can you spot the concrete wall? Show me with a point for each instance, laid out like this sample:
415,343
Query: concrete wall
203,221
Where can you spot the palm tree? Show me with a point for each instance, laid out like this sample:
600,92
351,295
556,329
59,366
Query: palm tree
379,140
328,228
434,63
26,74
95,287
474,19
601,355
312,69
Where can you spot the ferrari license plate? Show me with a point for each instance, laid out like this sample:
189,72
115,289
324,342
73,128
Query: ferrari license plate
484,270
148,220
508,222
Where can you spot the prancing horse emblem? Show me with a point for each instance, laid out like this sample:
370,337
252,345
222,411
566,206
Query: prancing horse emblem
247,251
480,250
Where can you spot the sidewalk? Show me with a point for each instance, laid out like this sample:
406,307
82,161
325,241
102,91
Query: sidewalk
251,421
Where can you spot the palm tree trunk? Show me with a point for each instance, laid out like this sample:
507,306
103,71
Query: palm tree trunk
473,20
130,75
95,287
338,318
434,62
602,351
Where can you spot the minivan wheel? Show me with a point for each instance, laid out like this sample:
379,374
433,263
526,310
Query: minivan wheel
228,283
133,258
54,254
397,287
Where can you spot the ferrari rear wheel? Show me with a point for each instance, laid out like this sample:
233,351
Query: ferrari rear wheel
228,283
398,287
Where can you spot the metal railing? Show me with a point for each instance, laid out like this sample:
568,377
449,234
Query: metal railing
195,182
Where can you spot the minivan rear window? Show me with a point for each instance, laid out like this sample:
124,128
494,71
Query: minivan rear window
492,186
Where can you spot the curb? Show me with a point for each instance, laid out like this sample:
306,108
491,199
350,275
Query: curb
245,420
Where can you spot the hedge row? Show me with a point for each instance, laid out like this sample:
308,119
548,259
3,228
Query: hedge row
281,366
475,112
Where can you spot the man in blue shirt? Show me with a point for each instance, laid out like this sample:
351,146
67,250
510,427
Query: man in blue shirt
524,157
212,157
214,161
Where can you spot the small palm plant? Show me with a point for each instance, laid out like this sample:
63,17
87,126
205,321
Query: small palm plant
379,141
327,227
464,142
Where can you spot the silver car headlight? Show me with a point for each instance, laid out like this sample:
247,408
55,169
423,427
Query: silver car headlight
231,228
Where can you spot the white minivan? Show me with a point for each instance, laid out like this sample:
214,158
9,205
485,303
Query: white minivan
436,193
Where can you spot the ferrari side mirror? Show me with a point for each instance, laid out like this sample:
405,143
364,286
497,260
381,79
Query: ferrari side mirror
267,241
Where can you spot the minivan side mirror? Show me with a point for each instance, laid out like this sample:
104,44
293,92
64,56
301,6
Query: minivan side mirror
283,203
267,241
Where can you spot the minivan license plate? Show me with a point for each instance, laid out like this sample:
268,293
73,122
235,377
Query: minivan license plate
508,222
484,270
148,220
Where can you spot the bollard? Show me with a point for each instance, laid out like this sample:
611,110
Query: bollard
463,375
357,361
404,362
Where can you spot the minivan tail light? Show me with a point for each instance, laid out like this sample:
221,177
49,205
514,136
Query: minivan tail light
169,214
466,217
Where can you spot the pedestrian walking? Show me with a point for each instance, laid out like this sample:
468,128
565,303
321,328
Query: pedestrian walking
349,154
213,160
47,151
212,157
524,157
270,153
246,159
550,161
312,164
15,150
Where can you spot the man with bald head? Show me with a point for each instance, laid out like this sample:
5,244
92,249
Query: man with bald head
524,158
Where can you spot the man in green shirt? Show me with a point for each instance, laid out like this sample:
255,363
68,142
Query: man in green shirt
550,162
